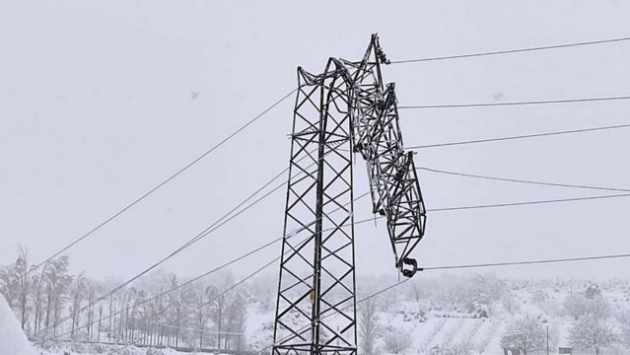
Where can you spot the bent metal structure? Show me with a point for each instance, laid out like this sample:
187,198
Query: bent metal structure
342,111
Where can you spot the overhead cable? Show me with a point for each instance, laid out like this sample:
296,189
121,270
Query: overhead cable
515,103
216,225
528,262
186,314
207,231
499,205
537,202
212,271
520,181
466,266
511,51
523,136
158,186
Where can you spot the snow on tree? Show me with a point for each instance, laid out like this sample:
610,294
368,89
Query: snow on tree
510,304
623,317
463,348
591,332
592,291
397,340
525,333
625,336
577,305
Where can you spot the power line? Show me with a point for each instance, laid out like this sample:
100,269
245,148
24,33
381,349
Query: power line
543,183
538,202
290,93
175,288
233,261
207,231
500,205
365,221
186,314
442,209
517,103
510,51
523,136
203,234
427,268
161,184
528,262
381,291
217,224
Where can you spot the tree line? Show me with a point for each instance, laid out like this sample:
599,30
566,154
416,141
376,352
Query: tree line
53,304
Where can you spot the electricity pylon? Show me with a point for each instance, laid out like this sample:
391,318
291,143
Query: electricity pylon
342,111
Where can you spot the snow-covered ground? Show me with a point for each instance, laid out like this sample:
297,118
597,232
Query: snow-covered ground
12,339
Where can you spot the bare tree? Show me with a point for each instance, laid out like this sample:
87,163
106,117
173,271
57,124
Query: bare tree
7,287
37,280
463,348
625,336
509,303
202,295
91,295
77,294
219,307
525,333
369,329
578,305
397,340
235,323
23,283
591,333
175,310
57,283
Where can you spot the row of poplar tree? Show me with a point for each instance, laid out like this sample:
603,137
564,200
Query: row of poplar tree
52,304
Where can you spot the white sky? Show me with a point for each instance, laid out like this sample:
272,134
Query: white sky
97,107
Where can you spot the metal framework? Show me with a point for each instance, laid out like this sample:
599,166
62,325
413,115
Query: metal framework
342,111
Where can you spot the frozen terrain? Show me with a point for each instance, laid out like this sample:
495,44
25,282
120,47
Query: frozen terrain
12,339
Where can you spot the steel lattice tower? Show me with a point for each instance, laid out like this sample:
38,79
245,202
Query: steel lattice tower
342,111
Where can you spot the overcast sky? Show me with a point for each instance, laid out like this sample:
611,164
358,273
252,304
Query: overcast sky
102,100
